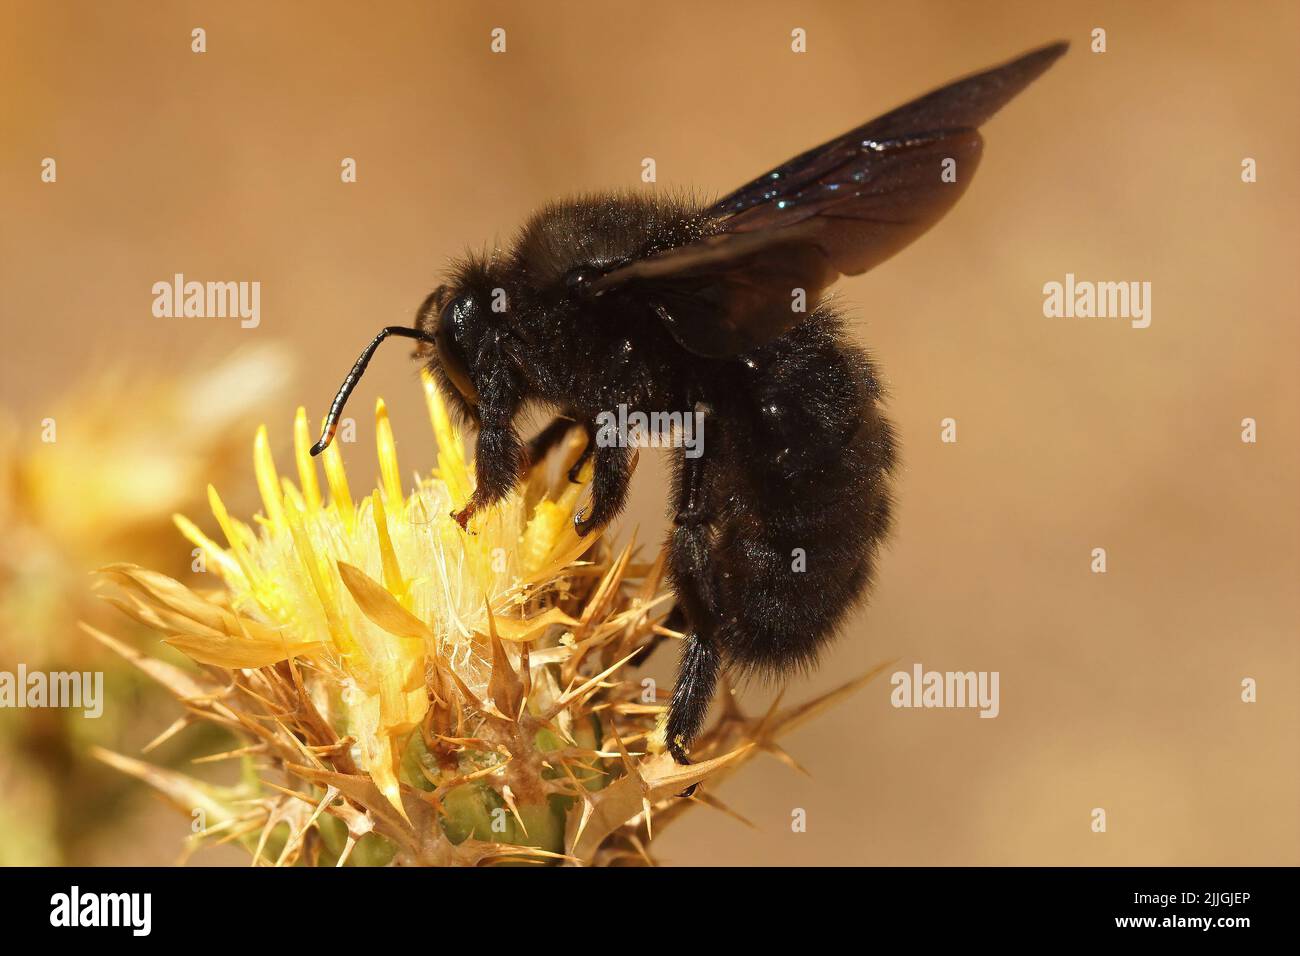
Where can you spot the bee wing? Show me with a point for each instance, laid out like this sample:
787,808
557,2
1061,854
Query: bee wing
753,281
837,209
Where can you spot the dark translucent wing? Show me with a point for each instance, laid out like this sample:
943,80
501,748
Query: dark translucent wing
732,292
835,210
967,103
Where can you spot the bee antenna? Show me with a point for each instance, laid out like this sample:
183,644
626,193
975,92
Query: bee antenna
345,390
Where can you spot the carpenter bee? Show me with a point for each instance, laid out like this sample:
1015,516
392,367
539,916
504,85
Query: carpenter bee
671,305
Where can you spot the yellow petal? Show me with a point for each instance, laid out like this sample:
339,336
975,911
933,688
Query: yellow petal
377,754
393,580
231,529
452,468
512,629
322,582
380,607
302,443
336,477
542,534
387,446
214,552
268,482
202,630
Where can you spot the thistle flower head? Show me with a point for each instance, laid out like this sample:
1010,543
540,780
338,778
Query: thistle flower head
431,696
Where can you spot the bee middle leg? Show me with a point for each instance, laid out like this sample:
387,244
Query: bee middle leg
609,484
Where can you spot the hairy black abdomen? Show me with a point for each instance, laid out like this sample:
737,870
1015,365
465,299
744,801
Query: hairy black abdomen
795,548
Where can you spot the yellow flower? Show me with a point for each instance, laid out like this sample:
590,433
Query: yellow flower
368,591
461,697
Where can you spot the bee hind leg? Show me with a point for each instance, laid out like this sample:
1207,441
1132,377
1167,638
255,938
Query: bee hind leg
691,568
697,678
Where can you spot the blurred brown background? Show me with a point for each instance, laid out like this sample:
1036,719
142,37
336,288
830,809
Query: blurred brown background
1119,691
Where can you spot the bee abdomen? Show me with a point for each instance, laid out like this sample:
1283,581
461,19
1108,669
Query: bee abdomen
792,570
797,551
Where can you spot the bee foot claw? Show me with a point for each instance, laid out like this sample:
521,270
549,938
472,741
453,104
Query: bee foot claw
679,755
462,518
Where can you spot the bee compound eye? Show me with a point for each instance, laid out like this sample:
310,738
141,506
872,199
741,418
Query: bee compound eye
455,330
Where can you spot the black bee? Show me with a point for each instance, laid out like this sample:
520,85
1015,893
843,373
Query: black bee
670,305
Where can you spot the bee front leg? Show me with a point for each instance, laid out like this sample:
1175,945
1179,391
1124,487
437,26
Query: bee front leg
498,463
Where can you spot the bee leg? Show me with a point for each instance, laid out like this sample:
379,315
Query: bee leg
587,452
498,462
613,473
540,445
692,572
697,678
